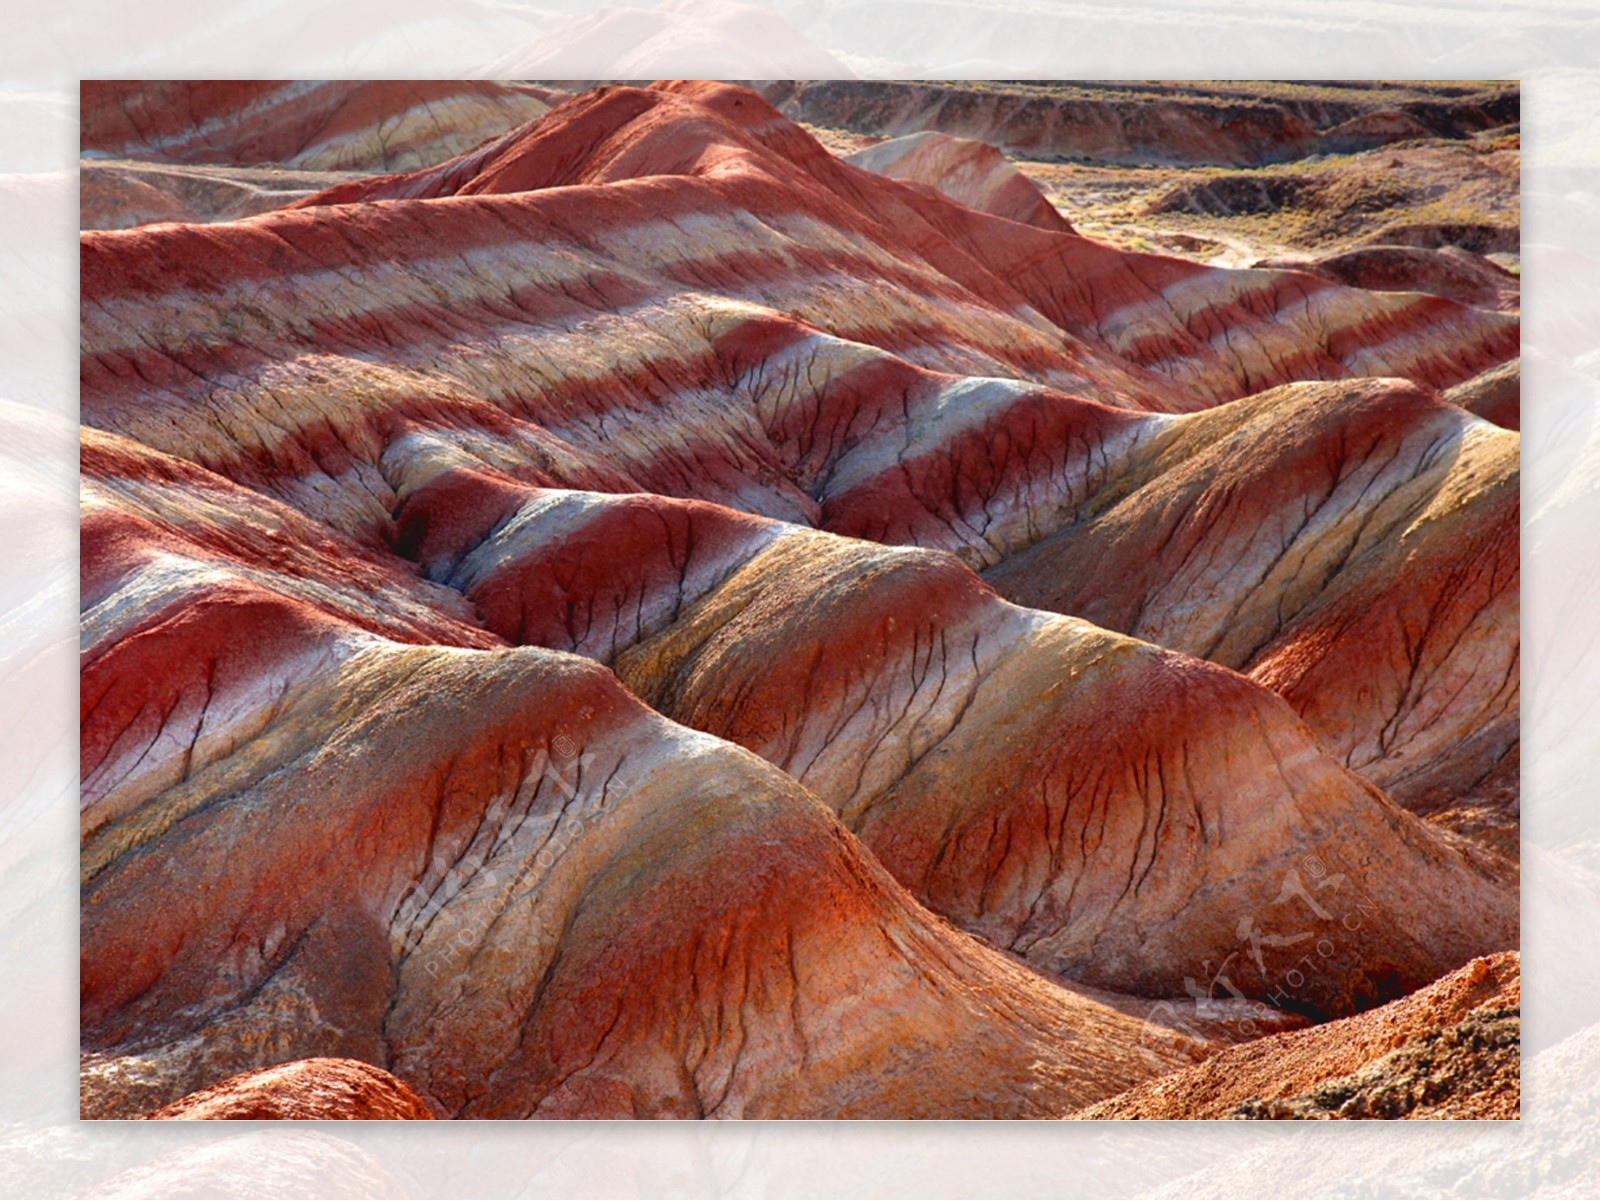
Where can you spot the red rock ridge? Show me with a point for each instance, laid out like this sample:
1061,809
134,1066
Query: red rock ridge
969,172
308,1090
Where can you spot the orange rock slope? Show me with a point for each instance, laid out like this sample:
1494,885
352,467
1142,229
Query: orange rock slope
1448,1051
533,644
307,1090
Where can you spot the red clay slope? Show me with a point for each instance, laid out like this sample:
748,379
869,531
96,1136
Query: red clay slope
259,598
492,871
650,924
1220,333
1115,813
1354,547
968,742
836,419
750,278
1251,534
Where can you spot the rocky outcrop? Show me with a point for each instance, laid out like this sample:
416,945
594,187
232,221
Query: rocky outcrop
1451,1050
1425,194
969,172
1478,237
1233,195
376,125
309,1090
1148,122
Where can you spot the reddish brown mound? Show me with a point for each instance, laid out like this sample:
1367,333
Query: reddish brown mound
598,574
1479,237
1378,491
814,296
1451,272
433,768
376,125
969,172
564,906
1451,1050
1370,130
205,607
1114,813
1496,395
307,1090
1353,547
